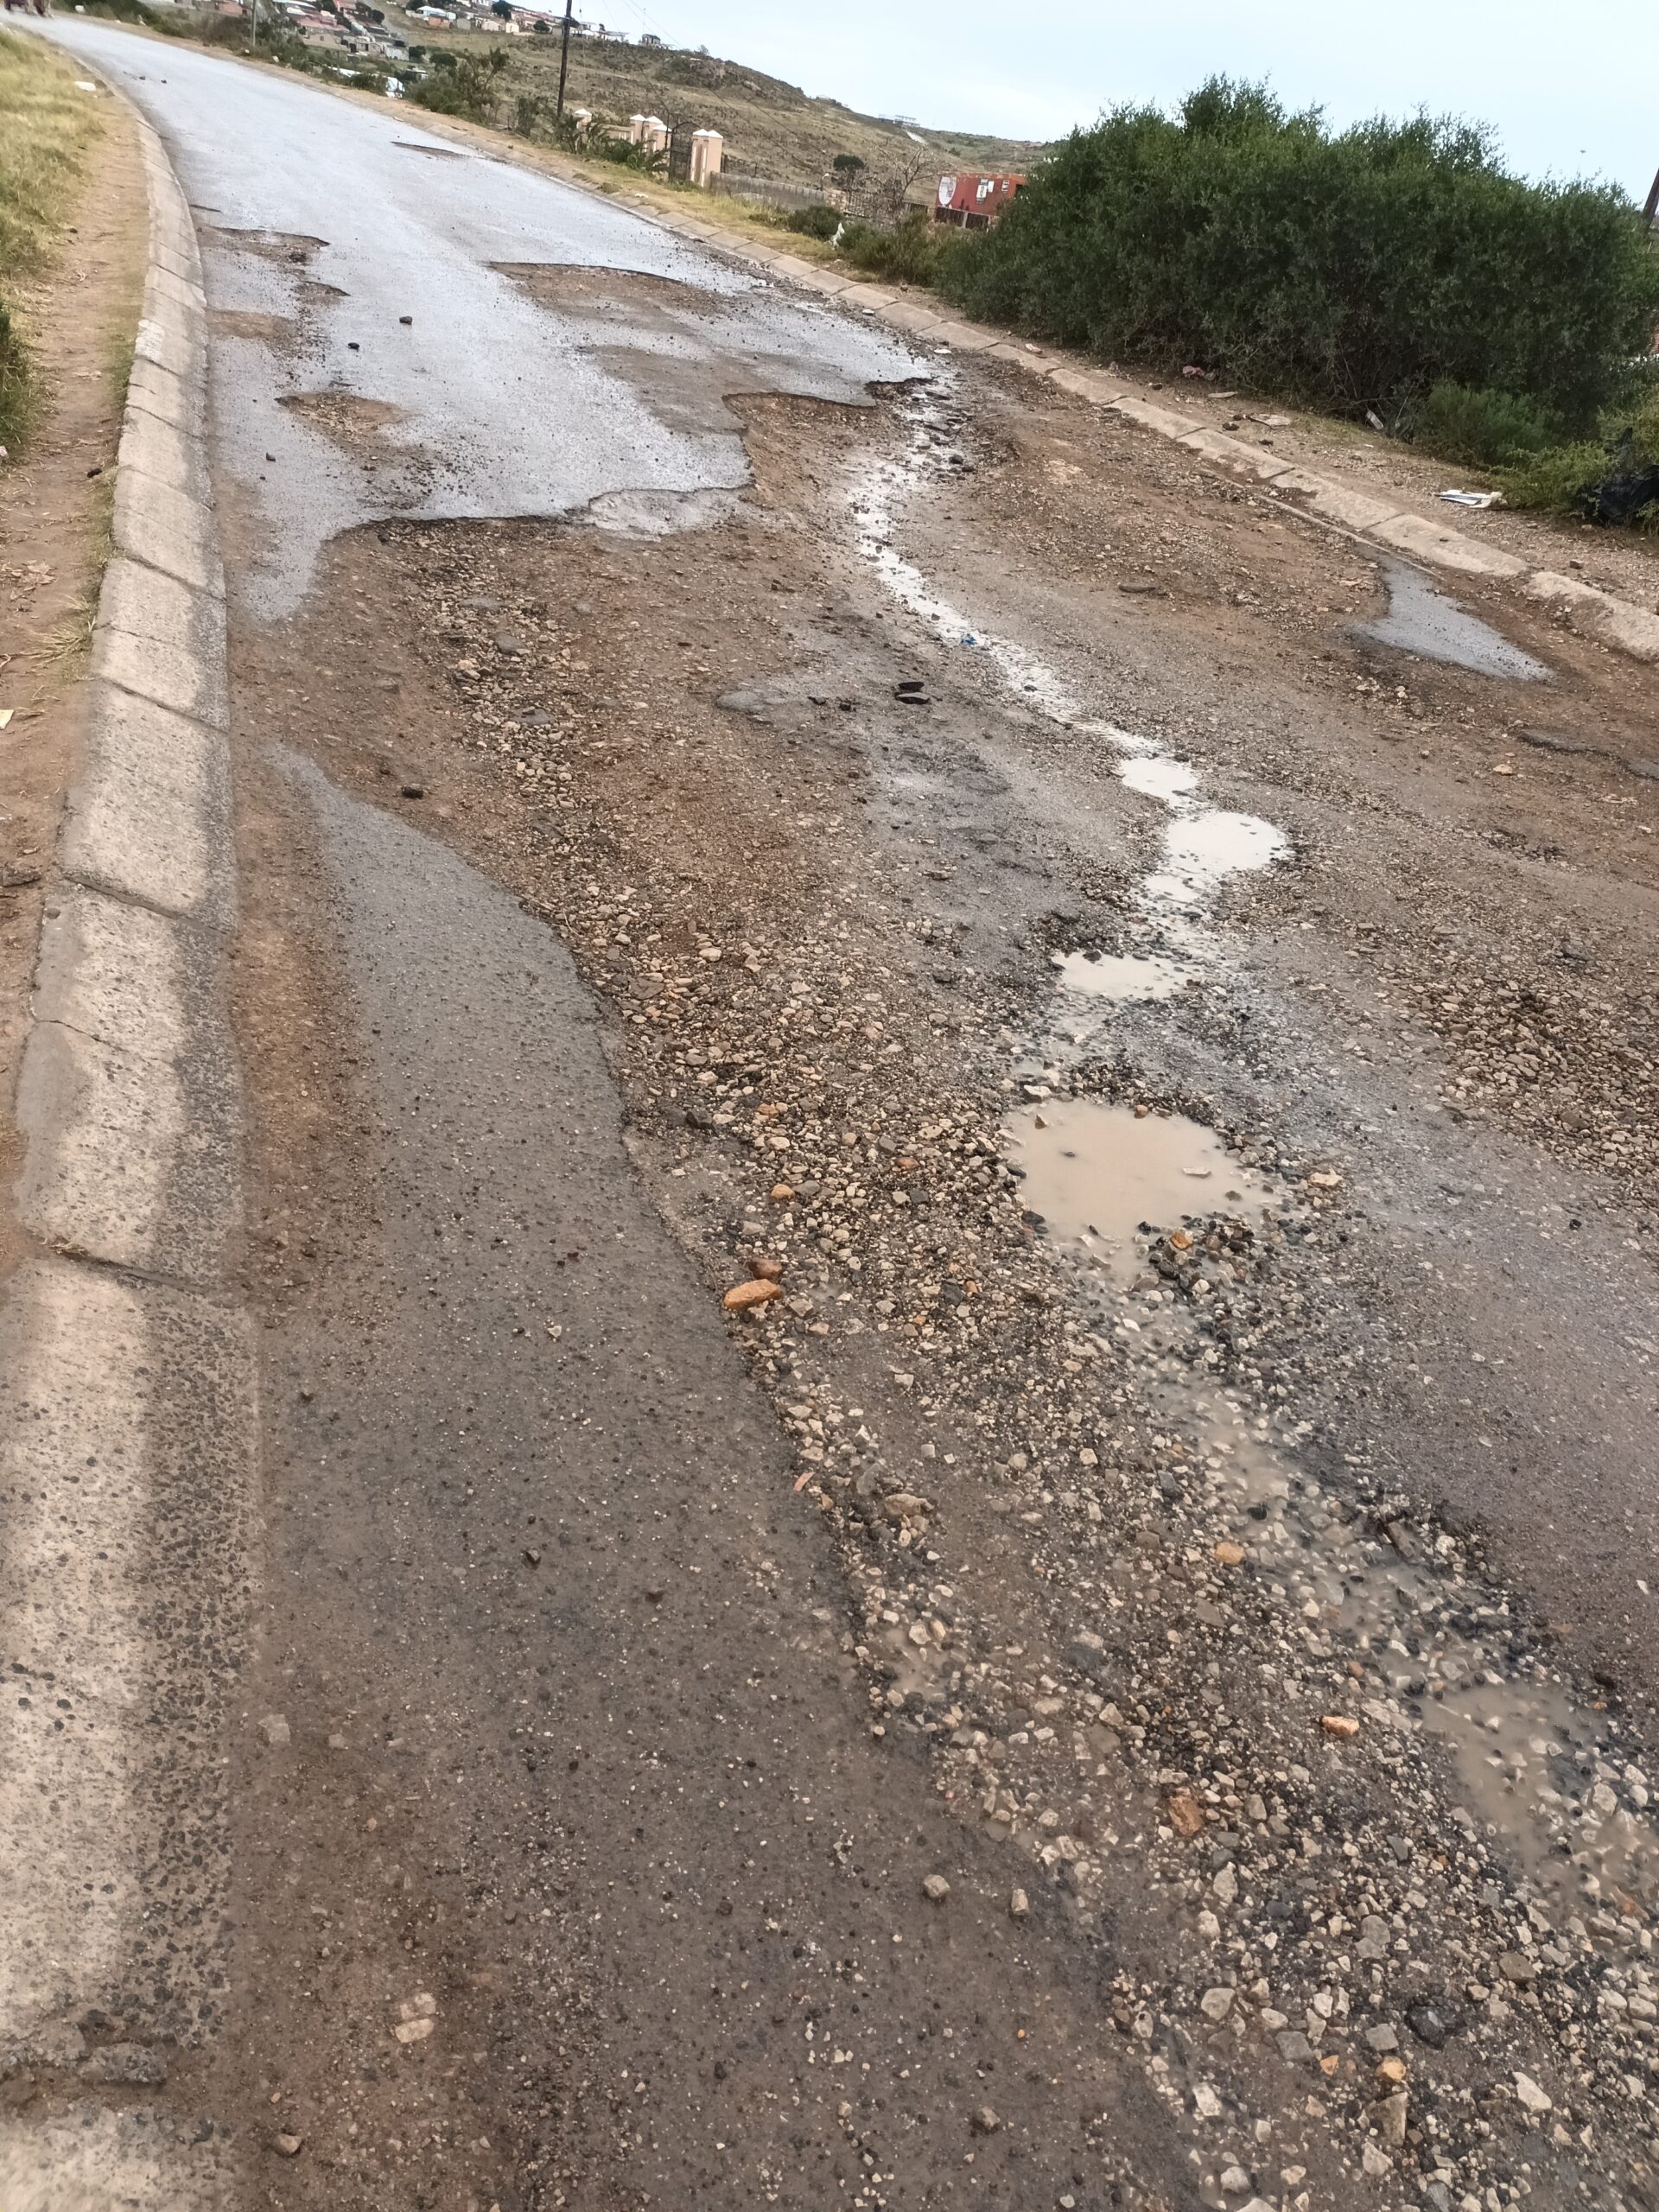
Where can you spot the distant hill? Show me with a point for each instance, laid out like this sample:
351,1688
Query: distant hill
772,130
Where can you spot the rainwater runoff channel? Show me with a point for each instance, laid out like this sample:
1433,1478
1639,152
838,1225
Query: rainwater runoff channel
1528,1755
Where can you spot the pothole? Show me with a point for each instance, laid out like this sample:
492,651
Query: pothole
1421,621
347,416
636,297
270,246
1095,1175
250,322
660,514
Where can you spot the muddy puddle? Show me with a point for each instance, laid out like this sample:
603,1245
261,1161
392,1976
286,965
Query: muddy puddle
1423,621
1101,1178
1122,977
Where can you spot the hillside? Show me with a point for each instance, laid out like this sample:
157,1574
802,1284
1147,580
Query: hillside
772,130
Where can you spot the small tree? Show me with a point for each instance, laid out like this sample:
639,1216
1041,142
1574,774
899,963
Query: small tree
848,166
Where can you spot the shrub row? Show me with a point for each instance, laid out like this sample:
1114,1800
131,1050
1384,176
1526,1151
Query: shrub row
1355,269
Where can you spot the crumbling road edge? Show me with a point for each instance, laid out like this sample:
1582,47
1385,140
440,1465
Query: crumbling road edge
127,1400
1616,622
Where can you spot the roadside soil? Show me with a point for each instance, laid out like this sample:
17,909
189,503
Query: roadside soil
1263,1578
55,507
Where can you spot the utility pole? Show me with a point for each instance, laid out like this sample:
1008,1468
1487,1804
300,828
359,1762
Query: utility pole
1651,210
564,59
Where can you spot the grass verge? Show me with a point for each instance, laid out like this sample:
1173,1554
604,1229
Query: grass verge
45,126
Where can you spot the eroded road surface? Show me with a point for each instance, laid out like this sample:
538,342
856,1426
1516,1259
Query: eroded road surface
1120,1672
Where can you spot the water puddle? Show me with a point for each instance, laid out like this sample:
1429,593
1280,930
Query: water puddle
1421,621
1123,977
1171,944
1098,1175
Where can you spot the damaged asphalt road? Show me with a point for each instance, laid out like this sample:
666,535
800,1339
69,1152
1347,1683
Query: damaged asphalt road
1127,1680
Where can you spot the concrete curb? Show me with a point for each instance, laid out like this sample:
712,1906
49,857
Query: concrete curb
1616,622
127,1431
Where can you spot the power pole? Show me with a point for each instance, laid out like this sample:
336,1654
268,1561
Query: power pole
564,59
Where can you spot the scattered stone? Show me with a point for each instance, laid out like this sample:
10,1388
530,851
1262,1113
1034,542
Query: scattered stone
936,1888
904,1505
1018,1906
1426,2024
1215,2003
1187,1817
749,1295
288,2147
275,1730
1342,1726
1532,2098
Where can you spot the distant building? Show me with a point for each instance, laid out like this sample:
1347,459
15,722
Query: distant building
973,203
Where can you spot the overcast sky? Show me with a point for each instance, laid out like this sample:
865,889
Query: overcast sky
1571,88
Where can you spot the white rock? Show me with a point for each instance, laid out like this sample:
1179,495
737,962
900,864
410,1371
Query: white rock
1531,2096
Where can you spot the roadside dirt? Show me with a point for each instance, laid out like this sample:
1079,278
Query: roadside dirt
1208,1558
55,507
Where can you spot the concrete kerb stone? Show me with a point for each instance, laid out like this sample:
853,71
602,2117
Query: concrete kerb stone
149,819
178,401
1616,621
174,341
128,1435
1445,549
167,528
127,1096
164,289
1336,502
163,639
911,316
159,449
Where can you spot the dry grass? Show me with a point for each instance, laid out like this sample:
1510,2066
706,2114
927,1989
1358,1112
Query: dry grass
45,126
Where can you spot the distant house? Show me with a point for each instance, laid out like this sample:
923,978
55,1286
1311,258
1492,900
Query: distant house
973,203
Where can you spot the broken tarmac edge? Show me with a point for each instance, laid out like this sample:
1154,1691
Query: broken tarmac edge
1619,623
127,1394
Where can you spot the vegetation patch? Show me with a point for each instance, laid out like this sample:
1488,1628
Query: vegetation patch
46,125
1355,270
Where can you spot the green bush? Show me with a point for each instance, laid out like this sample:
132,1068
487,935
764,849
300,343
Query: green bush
1484,428
648,160
820,222
913,254
1558,480
463,84
1353,269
